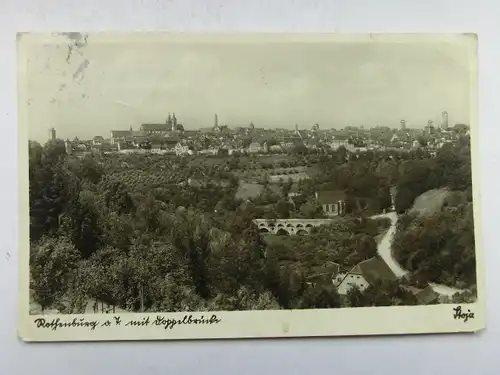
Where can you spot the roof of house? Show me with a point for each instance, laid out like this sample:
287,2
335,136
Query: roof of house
137,133
331,267
341,137
153,127
191,132
375,269
120,133
320,278
98,138
426,295
312,142
206,130
301,133
170,141
330,196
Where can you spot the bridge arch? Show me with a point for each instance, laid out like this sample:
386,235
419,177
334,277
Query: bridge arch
282,232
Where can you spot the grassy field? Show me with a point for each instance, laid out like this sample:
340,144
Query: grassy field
248,190
430,202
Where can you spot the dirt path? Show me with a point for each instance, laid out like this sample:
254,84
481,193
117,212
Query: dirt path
384,249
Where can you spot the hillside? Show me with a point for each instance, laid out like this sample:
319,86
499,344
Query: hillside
430,202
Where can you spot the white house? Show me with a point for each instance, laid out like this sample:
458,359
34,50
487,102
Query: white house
364,274
182,149
255,147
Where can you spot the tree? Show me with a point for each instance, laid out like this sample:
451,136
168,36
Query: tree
381,293
442,248
52,187
109,276
282,209
286,187
154,265
311,209
117,198
52,264
80,223
190,235
234,263
320,297
384,198
89,170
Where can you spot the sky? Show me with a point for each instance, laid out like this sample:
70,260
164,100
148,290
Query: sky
117,83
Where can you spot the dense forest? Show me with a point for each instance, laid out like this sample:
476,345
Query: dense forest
131,232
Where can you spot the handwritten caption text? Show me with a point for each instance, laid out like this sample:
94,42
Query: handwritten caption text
159,321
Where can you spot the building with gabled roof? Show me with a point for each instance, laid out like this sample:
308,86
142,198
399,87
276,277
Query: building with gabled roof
366,273
333,202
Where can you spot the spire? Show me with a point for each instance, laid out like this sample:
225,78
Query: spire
216,120
174,122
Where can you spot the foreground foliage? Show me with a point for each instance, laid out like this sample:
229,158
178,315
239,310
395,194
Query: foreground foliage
177,239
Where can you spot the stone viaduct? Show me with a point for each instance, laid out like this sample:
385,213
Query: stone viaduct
289,226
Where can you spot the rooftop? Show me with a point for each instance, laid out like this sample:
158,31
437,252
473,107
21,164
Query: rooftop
375,269
330,196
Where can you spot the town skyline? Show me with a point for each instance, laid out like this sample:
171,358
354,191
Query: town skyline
105,134
100,87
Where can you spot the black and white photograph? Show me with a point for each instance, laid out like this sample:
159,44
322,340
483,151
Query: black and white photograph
258,174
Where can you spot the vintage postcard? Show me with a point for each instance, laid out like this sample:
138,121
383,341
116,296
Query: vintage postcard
178,186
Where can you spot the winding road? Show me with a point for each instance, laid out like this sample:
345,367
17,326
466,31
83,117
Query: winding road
384,249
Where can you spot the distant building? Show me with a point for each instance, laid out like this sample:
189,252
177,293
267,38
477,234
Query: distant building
403,124
340,141
254,147
332,202
182,149
52,134
170,125
429,129
69,146
156,128
444,120
97,140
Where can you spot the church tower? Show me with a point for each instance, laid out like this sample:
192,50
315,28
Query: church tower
444,120
174,122
52,134
169,122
